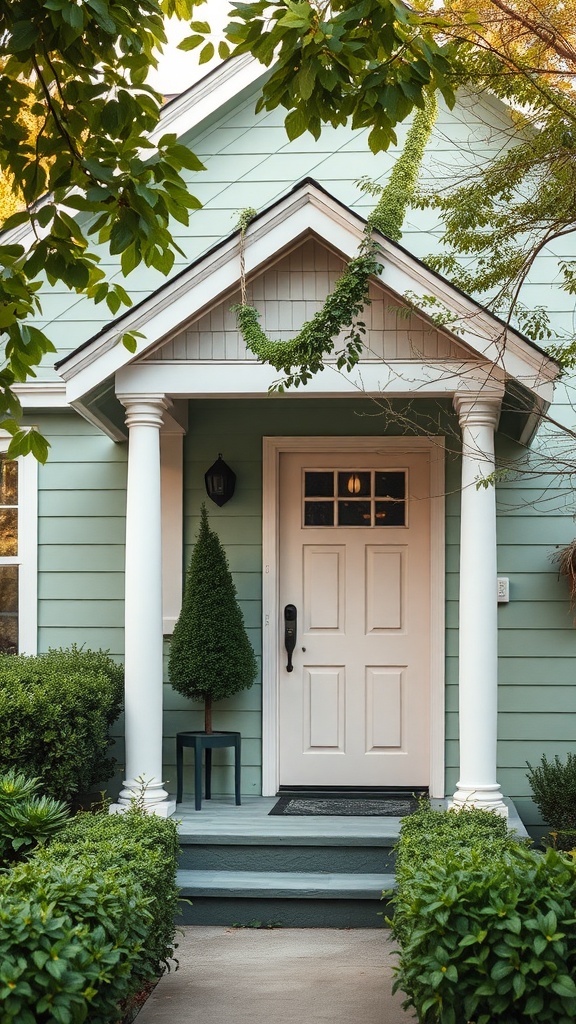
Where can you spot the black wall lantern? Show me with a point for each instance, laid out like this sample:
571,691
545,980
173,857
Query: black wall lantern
220,482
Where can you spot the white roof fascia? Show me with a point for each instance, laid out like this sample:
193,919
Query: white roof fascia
227,379
308,209
41,395
475,326
186,111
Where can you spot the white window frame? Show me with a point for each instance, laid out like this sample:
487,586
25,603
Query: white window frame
27,557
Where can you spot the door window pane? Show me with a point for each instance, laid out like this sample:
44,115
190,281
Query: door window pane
390,485
318,485
354,513
390,513
319,513
354,484
8,550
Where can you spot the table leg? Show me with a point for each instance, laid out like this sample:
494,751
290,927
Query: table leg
237,764
198,776
179,773
208,773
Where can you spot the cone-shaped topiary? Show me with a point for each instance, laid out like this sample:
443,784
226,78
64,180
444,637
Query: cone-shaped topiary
211,656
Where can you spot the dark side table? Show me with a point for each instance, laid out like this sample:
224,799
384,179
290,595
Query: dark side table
206,741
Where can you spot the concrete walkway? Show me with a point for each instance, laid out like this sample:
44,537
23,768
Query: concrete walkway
278,976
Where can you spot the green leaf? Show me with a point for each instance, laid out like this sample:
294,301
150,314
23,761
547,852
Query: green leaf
190,43
15,220
306,81
564,986
129,342
186,158
206,53
121,236
296,124
23,36
380,138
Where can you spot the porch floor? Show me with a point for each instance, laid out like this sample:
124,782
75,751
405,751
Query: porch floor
221,820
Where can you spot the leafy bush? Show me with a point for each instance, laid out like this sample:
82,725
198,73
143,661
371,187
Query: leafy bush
55,712
145,847
486,927
87,920
427,834
25,817
490,941
554,788
71,936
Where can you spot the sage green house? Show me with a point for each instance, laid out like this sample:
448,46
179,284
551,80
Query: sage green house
435,644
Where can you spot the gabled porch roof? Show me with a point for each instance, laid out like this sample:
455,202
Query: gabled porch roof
491,352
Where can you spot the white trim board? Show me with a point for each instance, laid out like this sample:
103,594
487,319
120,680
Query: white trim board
27,557
272,448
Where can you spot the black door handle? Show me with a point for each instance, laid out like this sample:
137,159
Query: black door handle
290,619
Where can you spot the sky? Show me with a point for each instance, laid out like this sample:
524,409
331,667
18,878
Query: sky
178,70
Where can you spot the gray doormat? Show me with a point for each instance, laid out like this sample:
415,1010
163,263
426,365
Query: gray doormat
365,806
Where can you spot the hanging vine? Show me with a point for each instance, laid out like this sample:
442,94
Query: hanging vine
303,356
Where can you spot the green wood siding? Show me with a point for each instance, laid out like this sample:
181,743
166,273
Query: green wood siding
81,528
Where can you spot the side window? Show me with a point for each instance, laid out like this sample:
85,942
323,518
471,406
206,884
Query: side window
18,553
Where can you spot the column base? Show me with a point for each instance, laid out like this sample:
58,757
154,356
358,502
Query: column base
149,797
164,810
485,798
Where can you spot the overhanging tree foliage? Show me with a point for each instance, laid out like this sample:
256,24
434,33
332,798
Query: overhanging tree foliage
363,62
211,656
498,220
91,175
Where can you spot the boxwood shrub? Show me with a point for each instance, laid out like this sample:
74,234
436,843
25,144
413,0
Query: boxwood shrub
71,936
487,928
145,847
87,920
55,713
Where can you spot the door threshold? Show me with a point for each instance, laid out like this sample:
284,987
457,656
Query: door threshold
351,792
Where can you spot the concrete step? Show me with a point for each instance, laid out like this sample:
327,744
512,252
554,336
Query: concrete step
287,899
371,855
285,884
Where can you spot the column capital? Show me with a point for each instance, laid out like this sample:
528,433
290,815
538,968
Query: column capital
478,408
144,410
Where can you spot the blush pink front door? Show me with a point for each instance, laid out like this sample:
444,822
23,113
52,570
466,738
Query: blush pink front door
355,563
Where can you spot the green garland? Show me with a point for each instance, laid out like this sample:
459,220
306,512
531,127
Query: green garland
303,356
388,215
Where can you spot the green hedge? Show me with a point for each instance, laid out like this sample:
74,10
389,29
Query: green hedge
146,848
486,927
55,713
71,936
87,920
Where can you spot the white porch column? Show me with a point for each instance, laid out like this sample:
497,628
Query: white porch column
478,626
143,606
